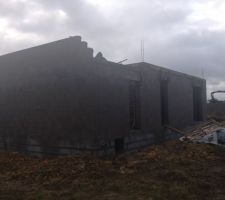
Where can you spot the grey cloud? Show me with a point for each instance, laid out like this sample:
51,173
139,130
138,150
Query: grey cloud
11,9
171,38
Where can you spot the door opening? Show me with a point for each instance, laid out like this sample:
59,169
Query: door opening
197,104
134,105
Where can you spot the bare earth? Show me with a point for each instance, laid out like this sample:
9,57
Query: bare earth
172,172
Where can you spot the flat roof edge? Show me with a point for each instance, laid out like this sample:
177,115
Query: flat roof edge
76,38
156,67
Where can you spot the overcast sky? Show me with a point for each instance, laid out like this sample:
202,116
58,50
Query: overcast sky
184,35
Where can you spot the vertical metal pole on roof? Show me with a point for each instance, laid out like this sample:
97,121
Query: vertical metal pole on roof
203,73
142,50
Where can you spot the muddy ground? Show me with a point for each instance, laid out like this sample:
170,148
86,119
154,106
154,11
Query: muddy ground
173,171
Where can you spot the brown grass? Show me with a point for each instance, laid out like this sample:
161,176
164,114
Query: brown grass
172,171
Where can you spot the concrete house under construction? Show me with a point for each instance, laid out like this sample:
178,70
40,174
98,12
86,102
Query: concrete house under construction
58,99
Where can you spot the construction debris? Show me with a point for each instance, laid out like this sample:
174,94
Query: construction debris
207,132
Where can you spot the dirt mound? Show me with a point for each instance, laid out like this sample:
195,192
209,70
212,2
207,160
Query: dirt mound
172,171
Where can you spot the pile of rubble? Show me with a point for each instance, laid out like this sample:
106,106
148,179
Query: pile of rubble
211,132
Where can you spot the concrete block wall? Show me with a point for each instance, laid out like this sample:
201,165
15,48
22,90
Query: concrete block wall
180,96
137,140
57,99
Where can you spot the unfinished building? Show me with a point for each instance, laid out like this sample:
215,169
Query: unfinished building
58,99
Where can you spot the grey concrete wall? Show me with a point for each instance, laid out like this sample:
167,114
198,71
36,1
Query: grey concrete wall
58,99
180,96
150,100
58,93
181,100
